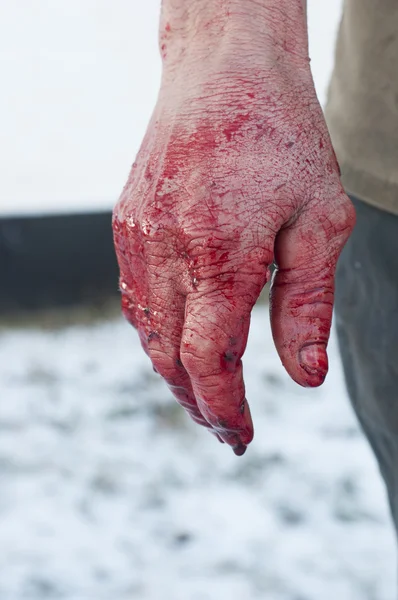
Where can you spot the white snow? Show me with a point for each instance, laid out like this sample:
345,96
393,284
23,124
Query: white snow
79,81
108,492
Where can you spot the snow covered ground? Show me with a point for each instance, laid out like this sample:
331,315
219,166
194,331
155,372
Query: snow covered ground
79,82
108,492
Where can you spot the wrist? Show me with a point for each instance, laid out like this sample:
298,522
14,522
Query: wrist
261,31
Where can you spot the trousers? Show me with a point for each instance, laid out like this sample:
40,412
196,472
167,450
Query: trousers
366,317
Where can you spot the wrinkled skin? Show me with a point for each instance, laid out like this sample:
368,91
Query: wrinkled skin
236,172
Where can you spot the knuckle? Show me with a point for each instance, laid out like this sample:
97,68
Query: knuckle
128,306
165,365
332,224
342,221
147,226
344,211
350,215
129,314
205,358
124,225
198,356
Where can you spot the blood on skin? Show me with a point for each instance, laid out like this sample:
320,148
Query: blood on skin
163,38
320,365
229,361
209,219
235,125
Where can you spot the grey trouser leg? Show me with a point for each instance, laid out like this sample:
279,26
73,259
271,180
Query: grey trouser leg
367,327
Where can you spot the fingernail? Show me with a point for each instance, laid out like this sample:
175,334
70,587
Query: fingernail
239,449
313,359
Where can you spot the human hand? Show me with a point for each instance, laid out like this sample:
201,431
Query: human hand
236,172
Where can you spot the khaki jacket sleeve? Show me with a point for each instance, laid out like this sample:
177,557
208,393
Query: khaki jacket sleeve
362,107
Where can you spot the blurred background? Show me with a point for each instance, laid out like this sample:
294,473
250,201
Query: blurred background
107,491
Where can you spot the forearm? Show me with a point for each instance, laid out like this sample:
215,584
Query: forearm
256,28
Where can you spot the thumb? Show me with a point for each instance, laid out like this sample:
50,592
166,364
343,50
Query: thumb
302,290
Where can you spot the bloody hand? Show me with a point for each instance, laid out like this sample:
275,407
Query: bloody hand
236,172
